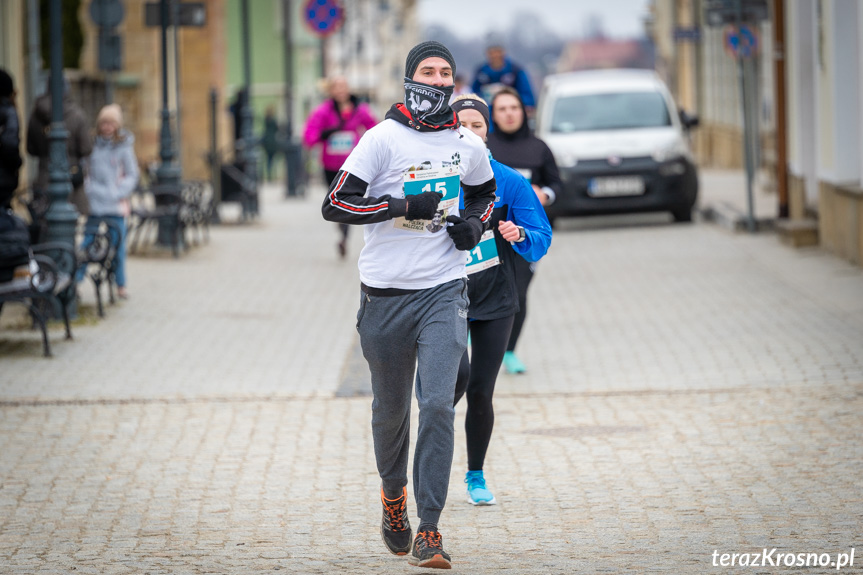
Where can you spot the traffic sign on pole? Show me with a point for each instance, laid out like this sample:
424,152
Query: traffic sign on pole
741,42
323,16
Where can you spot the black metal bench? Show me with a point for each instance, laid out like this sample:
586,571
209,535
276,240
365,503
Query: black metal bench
98,259
51,279
239,188
191,209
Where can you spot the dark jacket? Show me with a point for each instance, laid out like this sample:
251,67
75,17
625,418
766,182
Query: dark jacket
527,154
10,153
270,139
488,80
79,145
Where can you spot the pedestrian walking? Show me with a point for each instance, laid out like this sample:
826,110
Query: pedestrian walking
269,139
111,179
337,125
10,141
512,144
79,144
498,71
519,230
413,300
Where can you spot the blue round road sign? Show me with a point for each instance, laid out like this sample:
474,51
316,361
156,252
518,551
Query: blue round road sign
741,42
324,16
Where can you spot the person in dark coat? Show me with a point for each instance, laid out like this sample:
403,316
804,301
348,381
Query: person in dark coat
270,140
10,141
79,145
514,145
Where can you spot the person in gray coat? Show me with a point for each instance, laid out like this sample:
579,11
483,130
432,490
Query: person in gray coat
111,178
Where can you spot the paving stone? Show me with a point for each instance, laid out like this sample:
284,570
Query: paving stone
688,390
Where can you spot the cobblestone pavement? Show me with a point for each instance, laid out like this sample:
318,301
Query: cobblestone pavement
689,390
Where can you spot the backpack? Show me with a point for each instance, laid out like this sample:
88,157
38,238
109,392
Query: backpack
14,244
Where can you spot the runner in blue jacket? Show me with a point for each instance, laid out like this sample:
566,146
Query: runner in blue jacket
519,229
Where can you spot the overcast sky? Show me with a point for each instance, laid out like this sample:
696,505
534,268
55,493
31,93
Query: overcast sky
620,18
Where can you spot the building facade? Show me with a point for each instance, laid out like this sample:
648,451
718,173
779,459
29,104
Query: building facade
805,103
371,47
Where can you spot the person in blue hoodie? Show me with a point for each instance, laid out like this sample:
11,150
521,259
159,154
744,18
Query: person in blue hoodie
499,71
519,229
111,178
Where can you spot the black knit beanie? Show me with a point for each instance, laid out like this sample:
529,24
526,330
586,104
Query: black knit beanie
425,50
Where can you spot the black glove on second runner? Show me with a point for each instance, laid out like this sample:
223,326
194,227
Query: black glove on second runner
422,206
465,233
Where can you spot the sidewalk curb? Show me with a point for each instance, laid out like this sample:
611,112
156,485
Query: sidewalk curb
727,216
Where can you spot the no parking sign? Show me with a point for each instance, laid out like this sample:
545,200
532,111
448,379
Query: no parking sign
323,16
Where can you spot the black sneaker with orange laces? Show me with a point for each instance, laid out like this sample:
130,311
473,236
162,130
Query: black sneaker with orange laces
395,527
427,551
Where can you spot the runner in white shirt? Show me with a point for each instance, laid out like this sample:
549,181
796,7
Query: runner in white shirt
402,182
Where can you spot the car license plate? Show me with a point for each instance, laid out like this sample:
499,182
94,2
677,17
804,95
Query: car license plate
623,186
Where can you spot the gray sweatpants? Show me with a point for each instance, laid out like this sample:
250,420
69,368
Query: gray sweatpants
426,330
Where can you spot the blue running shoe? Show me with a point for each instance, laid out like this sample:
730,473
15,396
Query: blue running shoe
477,493
512,364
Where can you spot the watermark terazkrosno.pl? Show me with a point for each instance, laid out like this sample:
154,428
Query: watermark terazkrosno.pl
774,558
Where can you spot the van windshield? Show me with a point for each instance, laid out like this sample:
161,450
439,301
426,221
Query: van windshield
614,111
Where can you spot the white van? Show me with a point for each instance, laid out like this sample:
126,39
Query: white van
619,142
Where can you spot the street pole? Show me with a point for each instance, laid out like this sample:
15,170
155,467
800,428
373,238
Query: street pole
249,153
779,87
168,173
215,159
291,150
747,120
62,217
34,48
175,25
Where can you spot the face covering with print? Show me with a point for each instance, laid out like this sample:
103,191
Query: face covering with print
428,104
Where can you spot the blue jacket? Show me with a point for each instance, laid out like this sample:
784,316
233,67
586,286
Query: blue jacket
492,291
510,75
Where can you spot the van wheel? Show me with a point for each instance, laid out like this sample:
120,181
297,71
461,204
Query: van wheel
682,215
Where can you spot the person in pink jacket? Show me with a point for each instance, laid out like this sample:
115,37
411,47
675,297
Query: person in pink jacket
337,124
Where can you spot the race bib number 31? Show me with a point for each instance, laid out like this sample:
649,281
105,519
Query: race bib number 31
484,255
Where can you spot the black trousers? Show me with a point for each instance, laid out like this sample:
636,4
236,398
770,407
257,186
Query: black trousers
523,275
476,378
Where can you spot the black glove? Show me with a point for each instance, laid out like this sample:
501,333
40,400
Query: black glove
422,206
465,233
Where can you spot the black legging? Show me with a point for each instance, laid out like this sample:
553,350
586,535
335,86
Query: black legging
523,275
477,376
330,175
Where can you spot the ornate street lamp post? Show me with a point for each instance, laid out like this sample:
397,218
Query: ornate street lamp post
168,173
62,217
248,150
